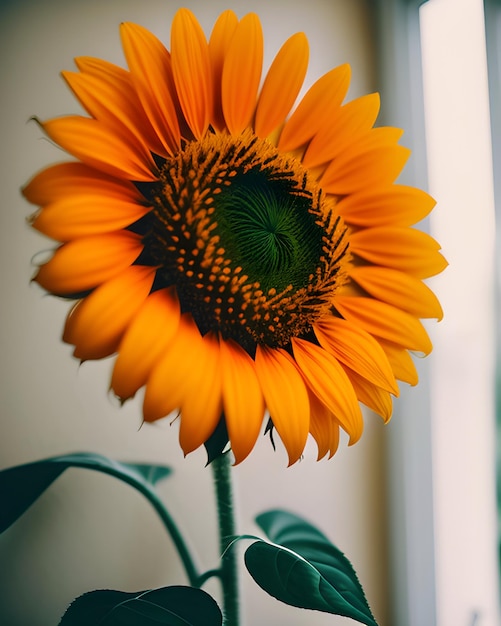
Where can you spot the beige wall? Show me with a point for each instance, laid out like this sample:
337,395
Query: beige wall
89,531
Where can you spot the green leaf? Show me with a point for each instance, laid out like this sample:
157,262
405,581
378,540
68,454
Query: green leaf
302,568
217,442
169,606
20,486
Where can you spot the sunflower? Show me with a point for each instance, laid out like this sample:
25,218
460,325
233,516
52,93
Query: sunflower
248,261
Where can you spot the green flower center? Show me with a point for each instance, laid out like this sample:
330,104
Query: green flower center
253,246
267,229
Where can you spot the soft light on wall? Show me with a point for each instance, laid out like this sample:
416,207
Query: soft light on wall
460,178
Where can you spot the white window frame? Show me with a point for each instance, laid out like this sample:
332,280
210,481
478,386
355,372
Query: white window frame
436,581
492,10
409,466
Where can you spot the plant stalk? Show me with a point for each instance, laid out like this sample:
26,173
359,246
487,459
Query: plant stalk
221,468
178,540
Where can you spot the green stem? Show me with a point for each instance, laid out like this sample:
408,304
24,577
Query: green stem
221,468
177,538
106,466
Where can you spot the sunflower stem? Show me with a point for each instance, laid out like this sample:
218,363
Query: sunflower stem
175,535
221,468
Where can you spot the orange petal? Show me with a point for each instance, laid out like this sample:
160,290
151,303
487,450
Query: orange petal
96,324
328,381
323,427
121,81
115,103
406,249
242,73
172,377
151,72
94,66
187,378
385,321
334,443
351,171
99,146
394,205
282,84
219,42
377,399
89,261
315,110
144,342
398,289
350,122
401,362
201,408
286,398
191,71
357,349
73,178
242,398
81,216
103,101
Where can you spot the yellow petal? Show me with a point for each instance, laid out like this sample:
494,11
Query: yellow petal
328,381
96,324
357,349
242,73
377,399
315,110
144,342
286,398
219,42
191,71
73,179
81,216
406,249
351,121
385,321
282,84
243,402
100,146
89,261
151,72
393,205
401,362
398,289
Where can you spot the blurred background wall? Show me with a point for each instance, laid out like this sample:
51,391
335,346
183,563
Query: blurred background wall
89,531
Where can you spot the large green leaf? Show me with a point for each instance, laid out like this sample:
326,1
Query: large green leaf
302,568
20,486
169,606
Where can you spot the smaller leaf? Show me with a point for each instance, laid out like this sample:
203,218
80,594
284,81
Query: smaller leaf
168,606
302,568
217,442
20,486
153,474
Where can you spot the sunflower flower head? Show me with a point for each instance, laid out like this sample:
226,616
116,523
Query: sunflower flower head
248,259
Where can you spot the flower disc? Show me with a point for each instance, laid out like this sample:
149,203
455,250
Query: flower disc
252,245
